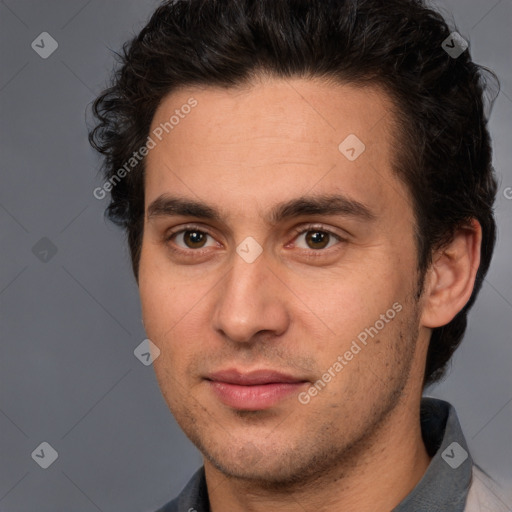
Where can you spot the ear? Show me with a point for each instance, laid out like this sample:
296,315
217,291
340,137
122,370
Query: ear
451,277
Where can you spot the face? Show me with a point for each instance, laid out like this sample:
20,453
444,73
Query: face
319,291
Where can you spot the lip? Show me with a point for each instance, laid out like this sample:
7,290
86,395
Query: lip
253,378
255,390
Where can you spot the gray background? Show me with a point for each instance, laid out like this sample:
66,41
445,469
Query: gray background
69,326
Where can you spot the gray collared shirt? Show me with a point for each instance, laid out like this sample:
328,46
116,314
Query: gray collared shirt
443,488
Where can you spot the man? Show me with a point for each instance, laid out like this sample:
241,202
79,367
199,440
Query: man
307,191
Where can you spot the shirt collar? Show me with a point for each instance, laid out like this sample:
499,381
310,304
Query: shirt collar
444,486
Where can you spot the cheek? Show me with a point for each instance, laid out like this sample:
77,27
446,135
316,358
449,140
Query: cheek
156,307
348,307
170,309
351,298
161,312
157,295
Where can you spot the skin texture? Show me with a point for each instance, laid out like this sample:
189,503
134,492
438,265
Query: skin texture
357,444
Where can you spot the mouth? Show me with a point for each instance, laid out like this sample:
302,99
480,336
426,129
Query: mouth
253,391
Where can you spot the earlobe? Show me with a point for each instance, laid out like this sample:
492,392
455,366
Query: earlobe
451,278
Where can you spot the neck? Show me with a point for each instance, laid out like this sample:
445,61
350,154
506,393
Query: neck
375,479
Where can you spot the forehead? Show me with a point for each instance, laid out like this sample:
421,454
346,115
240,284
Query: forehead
311,111
273,140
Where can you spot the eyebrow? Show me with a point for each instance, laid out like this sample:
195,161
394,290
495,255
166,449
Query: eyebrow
333,204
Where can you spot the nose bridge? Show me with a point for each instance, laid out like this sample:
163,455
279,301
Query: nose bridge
248,302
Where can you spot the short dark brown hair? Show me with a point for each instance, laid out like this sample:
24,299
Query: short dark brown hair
444,154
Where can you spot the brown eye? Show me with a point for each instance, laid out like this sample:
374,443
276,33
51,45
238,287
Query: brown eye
191,240
197,239
317,239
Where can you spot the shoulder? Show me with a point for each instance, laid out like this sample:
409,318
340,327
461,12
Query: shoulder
485,495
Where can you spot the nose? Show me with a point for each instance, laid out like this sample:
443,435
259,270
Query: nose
250,300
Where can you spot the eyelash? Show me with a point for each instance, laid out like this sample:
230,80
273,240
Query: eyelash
297,232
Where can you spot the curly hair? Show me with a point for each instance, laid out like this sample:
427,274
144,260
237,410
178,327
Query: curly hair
444,155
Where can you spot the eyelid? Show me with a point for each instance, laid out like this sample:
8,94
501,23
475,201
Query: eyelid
187,227
319,227
168,235
304,228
